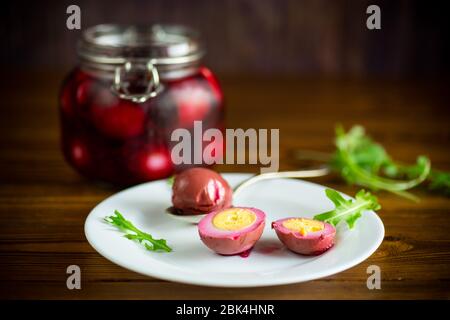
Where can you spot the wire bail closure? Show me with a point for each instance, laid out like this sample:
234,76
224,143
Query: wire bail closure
154,86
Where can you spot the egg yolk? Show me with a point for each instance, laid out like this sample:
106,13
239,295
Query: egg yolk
303,226
234,219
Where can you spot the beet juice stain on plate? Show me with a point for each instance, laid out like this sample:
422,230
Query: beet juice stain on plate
270,249
130,89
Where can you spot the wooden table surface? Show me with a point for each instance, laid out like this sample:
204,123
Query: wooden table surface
43,202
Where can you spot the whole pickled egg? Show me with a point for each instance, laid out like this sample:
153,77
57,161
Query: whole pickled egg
305,236
200,191
233,230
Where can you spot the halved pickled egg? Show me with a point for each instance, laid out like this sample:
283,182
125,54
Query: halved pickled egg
305,236
233,230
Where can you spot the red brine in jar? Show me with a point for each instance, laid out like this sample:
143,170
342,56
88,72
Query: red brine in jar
132,88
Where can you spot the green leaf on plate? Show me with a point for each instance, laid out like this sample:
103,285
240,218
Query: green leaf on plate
348,210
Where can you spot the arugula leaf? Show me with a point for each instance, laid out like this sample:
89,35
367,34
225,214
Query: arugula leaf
438,181
348,210
170,180
133,233
363,162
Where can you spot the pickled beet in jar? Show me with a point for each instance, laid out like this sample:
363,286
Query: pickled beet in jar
133,86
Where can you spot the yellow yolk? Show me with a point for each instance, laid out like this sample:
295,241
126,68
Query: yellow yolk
234,219
303,226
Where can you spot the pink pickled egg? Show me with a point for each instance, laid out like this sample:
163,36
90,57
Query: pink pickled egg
84,91
305,236
121,121
200,191
212,80
213,150
79,153
233,230
193,101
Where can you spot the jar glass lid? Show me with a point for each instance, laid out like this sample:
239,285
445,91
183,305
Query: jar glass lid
159,44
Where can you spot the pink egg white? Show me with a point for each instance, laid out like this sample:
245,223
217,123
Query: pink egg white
231,242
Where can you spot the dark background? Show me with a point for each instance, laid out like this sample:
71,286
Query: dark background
284,37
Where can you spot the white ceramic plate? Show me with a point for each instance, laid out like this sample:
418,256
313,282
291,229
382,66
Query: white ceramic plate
191,262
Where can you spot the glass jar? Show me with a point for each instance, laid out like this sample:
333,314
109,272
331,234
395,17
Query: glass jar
133,86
